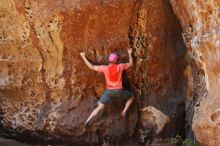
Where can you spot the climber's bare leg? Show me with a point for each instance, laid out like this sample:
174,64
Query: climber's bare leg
95,112
127,105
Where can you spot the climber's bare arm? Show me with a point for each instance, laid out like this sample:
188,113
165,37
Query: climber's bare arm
130,57
90,66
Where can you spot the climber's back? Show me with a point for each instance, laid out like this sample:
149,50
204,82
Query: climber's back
113,74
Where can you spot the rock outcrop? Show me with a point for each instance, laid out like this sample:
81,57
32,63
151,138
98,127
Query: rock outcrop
46,91
200,22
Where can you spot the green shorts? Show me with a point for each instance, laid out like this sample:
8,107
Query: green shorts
109,94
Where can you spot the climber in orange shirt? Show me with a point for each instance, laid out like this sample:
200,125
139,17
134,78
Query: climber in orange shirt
114,88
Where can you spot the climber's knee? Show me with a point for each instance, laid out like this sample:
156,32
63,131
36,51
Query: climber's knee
131,98
100,106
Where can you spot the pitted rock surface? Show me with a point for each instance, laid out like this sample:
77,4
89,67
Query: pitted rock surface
47,92
201,32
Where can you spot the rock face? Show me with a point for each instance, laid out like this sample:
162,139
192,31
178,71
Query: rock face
47,92
153,118
46,89
200,21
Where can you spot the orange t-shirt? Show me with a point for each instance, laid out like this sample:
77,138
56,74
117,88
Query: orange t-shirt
113,74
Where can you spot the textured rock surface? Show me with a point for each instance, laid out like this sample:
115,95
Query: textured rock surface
46,92
200,21
152,117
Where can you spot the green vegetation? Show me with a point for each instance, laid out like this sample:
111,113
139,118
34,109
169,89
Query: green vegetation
177,140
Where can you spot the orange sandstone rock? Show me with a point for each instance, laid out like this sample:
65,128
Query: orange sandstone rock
47,92
201,32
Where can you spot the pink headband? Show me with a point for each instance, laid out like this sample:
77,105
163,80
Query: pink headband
113,57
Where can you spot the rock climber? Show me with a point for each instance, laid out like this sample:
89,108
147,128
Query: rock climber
114,88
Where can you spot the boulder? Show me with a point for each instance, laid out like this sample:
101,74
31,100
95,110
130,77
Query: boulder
151,117
47,92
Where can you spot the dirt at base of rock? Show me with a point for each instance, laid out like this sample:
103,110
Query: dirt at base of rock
11,142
